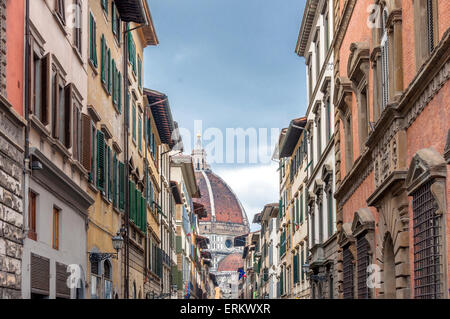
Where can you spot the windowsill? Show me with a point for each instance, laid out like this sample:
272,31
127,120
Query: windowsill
93,67
78,54
43,130
105,199
93,188
61,23
105,87
59,146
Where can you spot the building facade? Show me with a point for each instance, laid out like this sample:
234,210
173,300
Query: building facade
57,194
391,99
12,141
315,45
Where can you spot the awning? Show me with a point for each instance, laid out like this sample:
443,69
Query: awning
200,210
202,241
176,192
292,135
131,10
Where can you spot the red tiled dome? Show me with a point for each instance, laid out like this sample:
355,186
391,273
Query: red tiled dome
231,263
219,200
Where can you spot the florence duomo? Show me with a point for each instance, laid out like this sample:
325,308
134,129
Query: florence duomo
168,150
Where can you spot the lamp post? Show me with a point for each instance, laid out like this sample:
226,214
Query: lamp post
117,242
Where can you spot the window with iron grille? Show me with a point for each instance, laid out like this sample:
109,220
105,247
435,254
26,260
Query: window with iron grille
427,245
348,273
362,251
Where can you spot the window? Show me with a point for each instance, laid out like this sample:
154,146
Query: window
93,40
321,237
40,85
108,67
384,63
60,10
105,6
61,109
107,277
348,273
140,132
76,132
319,135
427,244
103,59
327,32
132,53
330,212
310,81
362,251
77,29
317,59
116,22
140,72
328,111
133,114
101,161
426,29
56,221
32,215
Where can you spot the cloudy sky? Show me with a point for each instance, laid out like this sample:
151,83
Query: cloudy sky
231,64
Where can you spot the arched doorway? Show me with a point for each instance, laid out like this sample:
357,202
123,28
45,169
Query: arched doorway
389,268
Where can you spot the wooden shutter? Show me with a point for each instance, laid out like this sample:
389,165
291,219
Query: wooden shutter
103,59
31,75
46,94
100,161
109,70
68,101
62,291
86,142
144,215
132,200
121,185
40,274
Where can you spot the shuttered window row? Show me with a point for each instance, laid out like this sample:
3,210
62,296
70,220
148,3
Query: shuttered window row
137,208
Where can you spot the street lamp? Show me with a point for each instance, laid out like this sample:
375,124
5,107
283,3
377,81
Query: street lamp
117,242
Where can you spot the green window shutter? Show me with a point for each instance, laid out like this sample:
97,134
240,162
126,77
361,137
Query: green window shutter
121,185
138,208
115,180
119,89
301,265
140,72
109,172
132,197
103,62
113,12
105,6
144,215
140,133
92,40
179,244
114,96
301,208
134,122
109,71
101,161
298,208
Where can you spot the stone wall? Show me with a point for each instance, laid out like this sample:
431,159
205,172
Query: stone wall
11,201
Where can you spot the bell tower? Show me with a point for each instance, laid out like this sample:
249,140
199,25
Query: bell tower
199,155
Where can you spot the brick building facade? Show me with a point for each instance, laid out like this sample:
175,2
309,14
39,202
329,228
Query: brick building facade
392,126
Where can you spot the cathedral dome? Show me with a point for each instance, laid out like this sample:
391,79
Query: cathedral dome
219,200
231,262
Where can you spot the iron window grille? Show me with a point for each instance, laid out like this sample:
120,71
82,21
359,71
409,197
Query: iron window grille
362,250
427,245
348,273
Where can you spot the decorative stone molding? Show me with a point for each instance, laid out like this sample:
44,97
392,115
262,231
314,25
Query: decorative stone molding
427,165
363,221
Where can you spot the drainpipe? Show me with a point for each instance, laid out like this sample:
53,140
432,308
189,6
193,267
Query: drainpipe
26,162
126,164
